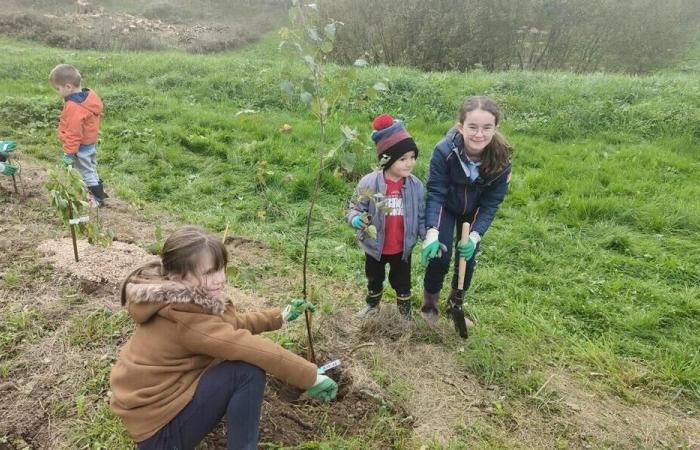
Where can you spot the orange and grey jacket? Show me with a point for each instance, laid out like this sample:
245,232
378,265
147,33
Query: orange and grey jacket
80,120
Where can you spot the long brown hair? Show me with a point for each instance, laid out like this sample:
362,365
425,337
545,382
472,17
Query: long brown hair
498,152
181,254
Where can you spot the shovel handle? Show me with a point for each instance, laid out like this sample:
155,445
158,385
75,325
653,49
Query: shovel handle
463,262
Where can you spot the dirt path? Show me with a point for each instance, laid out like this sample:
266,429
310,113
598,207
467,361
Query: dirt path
67,326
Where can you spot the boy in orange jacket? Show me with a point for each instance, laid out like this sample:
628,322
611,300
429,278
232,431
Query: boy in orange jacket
79,127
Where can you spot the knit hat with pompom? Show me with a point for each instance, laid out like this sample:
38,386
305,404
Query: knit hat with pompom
392,140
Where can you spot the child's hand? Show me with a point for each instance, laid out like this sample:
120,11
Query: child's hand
8,169
357,223
296,308
432,248
361,221
68,160
466,250
325,389
7,147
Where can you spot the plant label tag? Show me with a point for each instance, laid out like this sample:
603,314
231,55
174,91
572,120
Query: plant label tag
78,220
330,365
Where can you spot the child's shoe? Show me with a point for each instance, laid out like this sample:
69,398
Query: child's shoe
429,310
403,303
98,194
372,304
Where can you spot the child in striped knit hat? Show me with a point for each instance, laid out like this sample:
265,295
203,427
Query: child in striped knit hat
391,200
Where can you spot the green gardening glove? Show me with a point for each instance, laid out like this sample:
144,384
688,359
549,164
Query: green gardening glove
325,389
68,160
432,248
8,169
7,147
296,308
466,250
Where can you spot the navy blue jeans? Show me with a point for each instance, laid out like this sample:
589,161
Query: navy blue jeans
232,388
449,234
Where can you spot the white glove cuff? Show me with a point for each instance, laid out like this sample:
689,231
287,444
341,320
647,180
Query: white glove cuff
319,379
475,237
432,235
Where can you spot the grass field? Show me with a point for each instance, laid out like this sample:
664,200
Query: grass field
590,268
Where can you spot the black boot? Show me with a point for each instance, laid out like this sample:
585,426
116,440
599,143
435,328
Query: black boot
98,193
372,304
455,310
403,303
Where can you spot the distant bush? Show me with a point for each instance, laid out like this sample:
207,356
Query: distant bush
577,35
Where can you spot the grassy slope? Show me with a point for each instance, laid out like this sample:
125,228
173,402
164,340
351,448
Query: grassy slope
591,263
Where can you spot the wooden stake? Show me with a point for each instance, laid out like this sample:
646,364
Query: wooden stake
72,230
462,261
223,240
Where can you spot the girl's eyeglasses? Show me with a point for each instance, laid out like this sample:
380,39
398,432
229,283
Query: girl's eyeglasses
473,130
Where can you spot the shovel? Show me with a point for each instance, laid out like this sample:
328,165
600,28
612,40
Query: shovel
457,311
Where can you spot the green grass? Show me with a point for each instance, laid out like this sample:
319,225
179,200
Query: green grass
592,262
91,329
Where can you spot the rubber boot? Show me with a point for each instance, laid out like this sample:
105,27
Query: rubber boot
98,193
371,304
429,310
403,304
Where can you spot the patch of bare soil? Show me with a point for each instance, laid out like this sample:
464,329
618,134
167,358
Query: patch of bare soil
203,28
95,263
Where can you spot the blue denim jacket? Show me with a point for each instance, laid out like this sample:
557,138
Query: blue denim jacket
414,213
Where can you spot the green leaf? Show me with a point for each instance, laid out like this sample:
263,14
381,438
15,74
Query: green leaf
371,231
347,161
379,86
311,62
313,34
306,98
360,62
287,87
327,46
348,133
329,31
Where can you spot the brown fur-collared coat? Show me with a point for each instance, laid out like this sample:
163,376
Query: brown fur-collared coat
180,333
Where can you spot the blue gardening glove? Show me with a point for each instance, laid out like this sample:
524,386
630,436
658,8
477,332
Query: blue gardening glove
432,248
324,389
68,160
8,169
466,250
361,221
357,222
296,308
7,147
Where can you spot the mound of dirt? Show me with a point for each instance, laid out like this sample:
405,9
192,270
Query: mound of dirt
97,264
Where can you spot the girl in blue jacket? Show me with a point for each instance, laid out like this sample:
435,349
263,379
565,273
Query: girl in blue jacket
467,181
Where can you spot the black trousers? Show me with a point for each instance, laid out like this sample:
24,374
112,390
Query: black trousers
399,274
